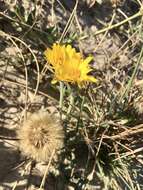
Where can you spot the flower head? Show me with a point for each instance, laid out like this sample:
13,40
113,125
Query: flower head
69,65
39,135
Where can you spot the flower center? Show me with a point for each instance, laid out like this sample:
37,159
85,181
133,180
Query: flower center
39,137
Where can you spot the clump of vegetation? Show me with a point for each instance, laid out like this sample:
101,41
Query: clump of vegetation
82,61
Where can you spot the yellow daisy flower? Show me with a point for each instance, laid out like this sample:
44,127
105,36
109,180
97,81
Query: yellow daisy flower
69,65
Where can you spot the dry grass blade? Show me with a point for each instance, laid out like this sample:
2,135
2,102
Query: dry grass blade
37,64
128,132
46,171
26,73
101,125
120,23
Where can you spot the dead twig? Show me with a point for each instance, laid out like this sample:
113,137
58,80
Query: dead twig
134,130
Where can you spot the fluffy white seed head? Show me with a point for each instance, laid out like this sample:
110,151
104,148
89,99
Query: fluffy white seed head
39,135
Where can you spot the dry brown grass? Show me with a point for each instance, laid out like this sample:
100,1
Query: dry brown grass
103,122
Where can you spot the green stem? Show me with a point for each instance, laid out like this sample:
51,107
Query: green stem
126,91
71,100
61,97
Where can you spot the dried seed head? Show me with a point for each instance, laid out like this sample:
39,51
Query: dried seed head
39,135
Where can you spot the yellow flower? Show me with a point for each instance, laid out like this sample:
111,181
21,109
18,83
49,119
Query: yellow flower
69,65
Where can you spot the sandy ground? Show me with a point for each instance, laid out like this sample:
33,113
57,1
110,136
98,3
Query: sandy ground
15,170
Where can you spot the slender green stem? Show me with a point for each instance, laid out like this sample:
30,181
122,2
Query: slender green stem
71,103
61,97
126,91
